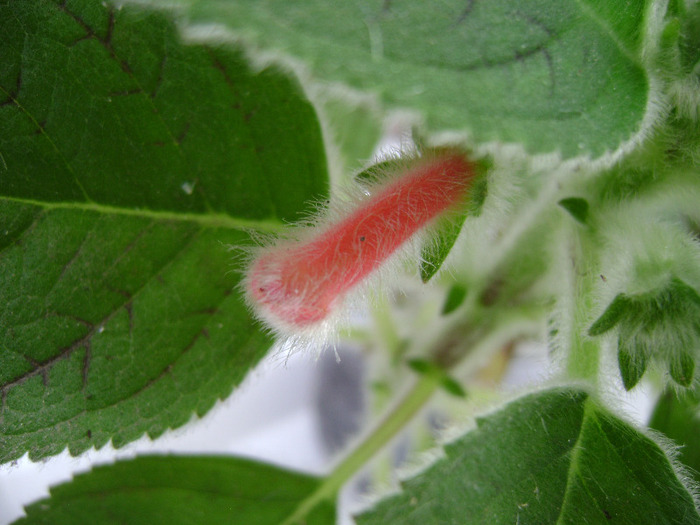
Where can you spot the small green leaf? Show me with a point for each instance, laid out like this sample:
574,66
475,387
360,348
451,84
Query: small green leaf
632,363
446,231
434,253
449,384
682,368
661,325
577,208
615,311
480,186
172,490
684,292
454,299
378,172
552,457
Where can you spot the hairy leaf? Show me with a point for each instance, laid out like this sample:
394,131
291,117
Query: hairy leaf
550,75
174,490
444,233
612,315
552,457
632,364
131,160
577,208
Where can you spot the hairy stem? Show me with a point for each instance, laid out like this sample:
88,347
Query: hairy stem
387,429
584,355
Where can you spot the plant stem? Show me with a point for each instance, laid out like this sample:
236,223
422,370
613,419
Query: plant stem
584,354
387,429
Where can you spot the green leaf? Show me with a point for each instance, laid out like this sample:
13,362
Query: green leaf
577,208
659,324
110,109
533,72
449,384
615,311
444,234
356,126
552,457
676,416
434,253
690,37
682,368
131,161
632,362
173,490
379,171
455,297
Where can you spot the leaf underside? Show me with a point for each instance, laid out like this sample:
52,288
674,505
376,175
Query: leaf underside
551,76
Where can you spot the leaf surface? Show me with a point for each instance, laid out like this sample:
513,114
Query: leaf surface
179,490
131,161
551,457
551,76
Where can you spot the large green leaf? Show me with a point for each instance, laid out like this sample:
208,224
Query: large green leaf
130,160
551,457
172,490
551,75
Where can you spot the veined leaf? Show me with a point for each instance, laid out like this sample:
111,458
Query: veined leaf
549,75
632,364
552,457
444,233
130,161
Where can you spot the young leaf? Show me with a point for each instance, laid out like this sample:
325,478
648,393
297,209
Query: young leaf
660,324
632,363
437,249
172,490
615,311
454,299
535,73
130,160
378,173
550,457
682,368
577,208
449,384
445,232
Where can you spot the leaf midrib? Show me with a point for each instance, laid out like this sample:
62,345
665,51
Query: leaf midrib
208,220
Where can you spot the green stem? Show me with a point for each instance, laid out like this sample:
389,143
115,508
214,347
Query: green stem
584,356
387,429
